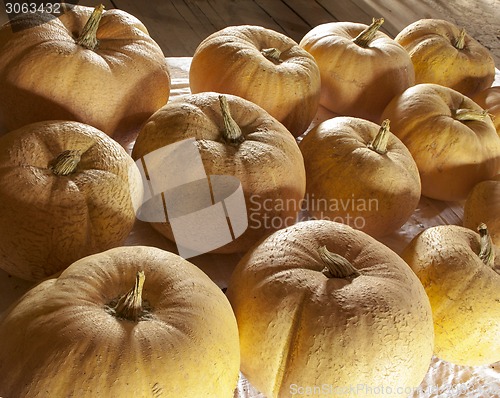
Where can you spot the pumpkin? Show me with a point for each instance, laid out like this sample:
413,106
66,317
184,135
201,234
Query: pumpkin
489,100
361,68
234,137
451,138
320,302
131,321
262,66
459,269
67,190
97,67
442,53
483,206
360,174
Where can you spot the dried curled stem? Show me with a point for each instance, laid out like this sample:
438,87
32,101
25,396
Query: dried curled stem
336,266
88,38
367,35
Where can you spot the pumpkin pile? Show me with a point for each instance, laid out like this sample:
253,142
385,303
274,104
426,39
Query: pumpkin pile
315,297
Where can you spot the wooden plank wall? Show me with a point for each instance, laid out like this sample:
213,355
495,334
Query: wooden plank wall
179,25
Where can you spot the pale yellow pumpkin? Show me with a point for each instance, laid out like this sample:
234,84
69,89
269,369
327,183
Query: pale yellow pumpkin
459,269
483,206
489,100
240,140
360,174
361,68
109,74
451,138
67,190
321,303
445,54
262,66
129,322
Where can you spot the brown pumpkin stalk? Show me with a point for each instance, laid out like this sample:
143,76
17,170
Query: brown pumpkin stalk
367,35
232,133
66,162
486,253
336,266
465,115
129,306
460,43
379,143
88,38
272,54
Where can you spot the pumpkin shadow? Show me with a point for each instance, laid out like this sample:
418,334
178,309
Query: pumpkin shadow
19,107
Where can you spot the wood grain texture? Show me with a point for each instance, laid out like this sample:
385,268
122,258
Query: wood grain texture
178,26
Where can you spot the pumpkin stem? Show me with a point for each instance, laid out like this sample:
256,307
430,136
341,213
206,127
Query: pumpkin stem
272,54
460,43
379,143
367,35
66,162
486,254
232,133
88,38
129,306
336,266
465,115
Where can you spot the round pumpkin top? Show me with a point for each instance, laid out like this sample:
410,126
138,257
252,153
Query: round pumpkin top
264,154
362,68
346,148
483,206
81,339
320,298
354,163
451,138
445,54
48,73
68,190
272,52
262,66
489,100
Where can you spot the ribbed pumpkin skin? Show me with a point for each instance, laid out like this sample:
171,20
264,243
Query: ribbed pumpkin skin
230,61
59,340
374,192
357,81
483,206
268,163
431,45
489,100
46,75
452,155
299,327
464,293
48,221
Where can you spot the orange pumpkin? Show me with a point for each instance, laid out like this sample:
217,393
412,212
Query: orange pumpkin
451,138
262,66
444,54
361,68
97,67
